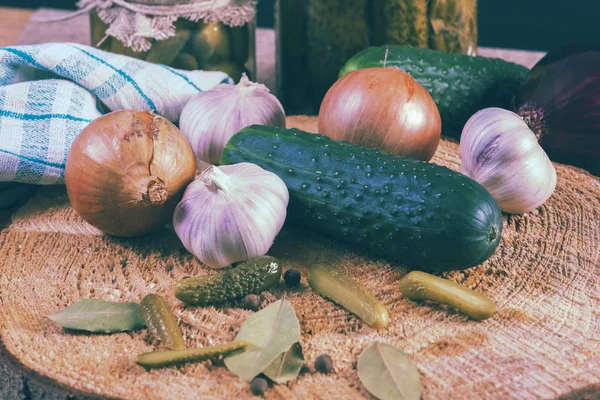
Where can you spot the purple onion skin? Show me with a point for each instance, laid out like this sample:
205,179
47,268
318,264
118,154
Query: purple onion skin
560,101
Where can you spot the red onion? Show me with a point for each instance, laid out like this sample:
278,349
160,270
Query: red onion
560,101
382,108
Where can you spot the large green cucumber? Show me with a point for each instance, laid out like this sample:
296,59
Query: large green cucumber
459,84
419,214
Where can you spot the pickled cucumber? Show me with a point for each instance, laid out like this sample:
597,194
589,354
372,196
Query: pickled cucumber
158,359
417,285
453,26
400,22
165,51
211,44
251,277
337,286
437,18
185,61
161,322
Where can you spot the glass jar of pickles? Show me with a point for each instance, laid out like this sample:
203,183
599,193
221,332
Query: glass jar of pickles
224,40
316,37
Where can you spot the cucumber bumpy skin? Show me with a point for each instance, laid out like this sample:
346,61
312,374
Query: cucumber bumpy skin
459,84
251,277
161,321
419,214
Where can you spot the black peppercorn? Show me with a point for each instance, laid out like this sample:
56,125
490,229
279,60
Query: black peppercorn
258,386
324,364
251,302
292,277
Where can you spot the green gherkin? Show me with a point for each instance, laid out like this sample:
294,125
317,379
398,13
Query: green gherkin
400,22
159,359
252,277
161,322
453,26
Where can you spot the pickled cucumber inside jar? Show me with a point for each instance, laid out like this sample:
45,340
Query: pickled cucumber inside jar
211,44
185,61
166,51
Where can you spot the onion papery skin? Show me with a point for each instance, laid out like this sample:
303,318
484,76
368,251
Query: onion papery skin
126,172
560,102
382,108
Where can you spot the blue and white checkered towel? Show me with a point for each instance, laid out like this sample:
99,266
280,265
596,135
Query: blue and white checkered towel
48,94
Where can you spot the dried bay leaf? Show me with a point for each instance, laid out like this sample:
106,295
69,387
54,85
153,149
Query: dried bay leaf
388,373
100,316
286,366
273,331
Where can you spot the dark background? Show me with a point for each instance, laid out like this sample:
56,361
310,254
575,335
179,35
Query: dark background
518,24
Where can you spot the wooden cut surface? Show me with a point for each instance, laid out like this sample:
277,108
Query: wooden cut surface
544,341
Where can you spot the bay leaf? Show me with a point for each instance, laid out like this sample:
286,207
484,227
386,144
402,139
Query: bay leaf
286,366
388,373
272,330
100,316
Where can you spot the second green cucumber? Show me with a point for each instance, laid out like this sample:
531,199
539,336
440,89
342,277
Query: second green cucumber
459,84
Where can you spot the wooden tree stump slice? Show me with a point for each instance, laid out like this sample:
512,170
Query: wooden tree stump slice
544,342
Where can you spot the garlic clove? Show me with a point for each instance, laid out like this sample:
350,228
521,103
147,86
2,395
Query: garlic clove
499,151
231,213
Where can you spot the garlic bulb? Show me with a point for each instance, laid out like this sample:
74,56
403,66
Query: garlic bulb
211,118
231,213
499,151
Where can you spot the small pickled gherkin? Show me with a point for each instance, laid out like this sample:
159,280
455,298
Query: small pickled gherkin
211,44
159,359
251,277
165,51
185,61
340,288
417,285
161,322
